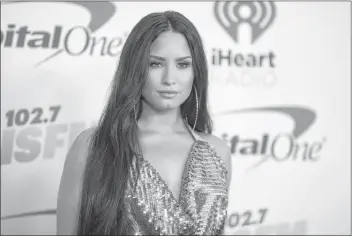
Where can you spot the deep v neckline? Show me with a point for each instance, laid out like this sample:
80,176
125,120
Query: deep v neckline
184,172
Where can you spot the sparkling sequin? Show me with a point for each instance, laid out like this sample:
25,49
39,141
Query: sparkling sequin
202,207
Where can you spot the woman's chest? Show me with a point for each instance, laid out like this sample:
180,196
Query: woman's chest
169,159
201,206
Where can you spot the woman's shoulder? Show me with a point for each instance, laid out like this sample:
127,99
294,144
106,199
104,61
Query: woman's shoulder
220,145
79,149
84,137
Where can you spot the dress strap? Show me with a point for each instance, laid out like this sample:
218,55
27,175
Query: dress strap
194,134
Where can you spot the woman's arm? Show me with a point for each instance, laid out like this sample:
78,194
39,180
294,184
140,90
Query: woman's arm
68,202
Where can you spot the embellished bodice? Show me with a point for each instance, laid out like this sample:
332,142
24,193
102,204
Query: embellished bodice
151,208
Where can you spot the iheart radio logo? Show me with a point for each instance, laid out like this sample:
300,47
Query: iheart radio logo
259,15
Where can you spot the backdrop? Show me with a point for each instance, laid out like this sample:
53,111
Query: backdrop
279,95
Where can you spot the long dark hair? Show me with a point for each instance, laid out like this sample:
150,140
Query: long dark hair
115,140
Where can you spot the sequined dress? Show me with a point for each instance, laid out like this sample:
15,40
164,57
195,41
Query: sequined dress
151,208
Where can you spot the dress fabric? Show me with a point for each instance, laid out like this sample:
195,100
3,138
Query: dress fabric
151,208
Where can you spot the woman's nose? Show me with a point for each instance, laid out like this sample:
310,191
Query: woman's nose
169,77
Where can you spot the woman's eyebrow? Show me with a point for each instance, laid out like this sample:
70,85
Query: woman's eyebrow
163,59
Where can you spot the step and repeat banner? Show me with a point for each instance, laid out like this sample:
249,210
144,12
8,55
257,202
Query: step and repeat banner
279,95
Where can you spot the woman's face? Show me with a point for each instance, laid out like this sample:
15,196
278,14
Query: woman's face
170,76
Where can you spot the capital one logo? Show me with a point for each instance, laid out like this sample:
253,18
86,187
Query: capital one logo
280,147
259,15
59,38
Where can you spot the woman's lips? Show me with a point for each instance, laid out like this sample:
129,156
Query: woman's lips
168,94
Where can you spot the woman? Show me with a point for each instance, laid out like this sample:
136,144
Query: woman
151,166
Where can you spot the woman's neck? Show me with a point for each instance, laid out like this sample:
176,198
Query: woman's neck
167,121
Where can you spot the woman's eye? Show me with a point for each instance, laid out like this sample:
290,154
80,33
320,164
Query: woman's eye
155,64
184,64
